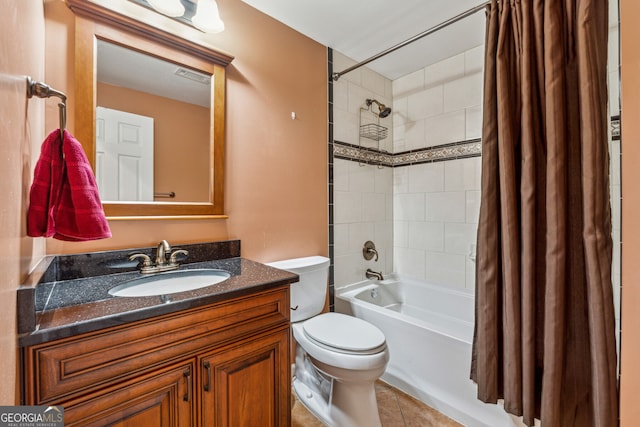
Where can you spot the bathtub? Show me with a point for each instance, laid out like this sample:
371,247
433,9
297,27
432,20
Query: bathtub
429,330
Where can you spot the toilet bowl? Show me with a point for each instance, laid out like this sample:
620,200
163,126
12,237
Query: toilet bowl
338,357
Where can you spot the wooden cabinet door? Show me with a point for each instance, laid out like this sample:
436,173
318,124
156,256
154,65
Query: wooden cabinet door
162,399
247,384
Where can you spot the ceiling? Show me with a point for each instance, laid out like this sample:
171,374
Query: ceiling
361,29
128,68
358,29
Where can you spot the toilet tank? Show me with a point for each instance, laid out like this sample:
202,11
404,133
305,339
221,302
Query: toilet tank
309,294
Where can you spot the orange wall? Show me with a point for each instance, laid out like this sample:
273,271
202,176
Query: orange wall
276,180
630,312
276,167
21,132
181,140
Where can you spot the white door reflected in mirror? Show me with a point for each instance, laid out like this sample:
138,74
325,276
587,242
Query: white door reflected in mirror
124,155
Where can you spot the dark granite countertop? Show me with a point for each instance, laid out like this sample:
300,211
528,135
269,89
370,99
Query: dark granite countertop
61,304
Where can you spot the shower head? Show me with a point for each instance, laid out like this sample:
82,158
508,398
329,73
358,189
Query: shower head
384,111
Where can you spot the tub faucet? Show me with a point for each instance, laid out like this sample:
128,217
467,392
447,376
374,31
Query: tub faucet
373,274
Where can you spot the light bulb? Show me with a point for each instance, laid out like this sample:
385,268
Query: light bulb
207,17
168,7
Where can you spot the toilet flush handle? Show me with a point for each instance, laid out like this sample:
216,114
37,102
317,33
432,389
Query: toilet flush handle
295,308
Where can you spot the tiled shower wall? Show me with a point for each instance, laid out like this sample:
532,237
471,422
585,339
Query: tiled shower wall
363,193
613,68
436,204
422,212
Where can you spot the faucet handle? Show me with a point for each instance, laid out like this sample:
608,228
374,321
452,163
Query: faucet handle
369,251
146,261
175,253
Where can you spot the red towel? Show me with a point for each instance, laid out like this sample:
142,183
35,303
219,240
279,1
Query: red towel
44,189
64,199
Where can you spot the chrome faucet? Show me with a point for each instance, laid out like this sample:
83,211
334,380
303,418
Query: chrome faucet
373,274
161,264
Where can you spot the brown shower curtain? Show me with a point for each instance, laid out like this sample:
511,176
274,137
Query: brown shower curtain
544,336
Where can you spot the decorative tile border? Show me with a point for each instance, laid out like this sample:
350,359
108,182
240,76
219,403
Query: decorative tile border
615,128
370,156
438,153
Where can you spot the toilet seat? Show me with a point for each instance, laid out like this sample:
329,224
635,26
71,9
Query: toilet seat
339,359
344,334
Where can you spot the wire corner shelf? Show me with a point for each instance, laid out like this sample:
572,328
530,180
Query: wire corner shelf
373,131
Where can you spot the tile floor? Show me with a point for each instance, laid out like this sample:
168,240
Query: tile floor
396,408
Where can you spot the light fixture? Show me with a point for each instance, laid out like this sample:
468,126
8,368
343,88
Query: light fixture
168,7
207,17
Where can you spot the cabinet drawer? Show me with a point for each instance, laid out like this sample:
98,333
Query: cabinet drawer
62,369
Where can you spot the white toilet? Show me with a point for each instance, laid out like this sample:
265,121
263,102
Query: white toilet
338,357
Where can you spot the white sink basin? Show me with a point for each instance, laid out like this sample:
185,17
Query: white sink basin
169,282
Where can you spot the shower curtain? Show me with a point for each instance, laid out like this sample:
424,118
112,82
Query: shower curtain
544,337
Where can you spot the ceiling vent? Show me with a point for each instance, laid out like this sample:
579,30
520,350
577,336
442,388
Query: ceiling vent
192,75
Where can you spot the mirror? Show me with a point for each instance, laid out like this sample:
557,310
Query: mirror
179,112
152,134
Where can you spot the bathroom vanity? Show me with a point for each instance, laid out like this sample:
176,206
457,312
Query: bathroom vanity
214,356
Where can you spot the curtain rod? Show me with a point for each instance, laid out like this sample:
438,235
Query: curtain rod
336,76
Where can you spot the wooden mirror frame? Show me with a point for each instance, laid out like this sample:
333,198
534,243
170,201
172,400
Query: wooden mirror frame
96,22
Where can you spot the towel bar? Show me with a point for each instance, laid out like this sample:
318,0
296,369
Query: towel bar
42,90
